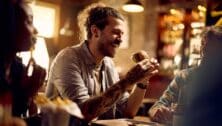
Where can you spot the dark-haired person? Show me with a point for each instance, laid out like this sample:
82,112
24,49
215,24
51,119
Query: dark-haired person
204,96
16,88
196,80
86,74
19,35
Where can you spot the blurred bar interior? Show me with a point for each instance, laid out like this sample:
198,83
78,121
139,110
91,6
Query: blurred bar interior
167,29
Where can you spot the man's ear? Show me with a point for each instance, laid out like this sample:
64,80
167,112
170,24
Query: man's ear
95,31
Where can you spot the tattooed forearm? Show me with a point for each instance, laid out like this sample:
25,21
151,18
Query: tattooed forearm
100,104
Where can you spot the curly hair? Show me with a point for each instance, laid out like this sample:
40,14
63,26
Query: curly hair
95,14
211,42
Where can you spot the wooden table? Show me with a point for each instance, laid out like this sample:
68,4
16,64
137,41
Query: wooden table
137,121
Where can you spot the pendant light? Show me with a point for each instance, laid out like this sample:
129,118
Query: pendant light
133,6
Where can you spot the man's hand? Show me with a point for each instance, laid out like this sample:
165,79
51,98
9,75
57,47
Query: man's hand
143,69
163,115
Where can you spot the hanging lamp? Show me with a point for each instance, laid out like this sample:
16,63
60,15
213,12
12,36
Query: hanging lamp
133,6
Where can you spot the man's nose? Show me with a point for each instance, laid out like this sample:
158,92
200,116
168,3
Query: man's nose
119,38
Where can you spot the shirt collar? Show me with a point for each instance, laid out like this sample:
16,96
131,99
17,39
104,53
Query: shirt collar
88,57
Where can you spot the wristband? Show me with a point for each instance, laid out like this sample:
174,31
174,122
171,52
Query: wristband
141,85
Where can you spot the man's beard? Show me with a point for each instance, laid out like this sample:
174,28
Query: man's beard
104,49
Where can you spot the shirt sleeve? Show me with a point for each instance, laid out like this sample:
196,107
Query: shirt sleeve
66,77
170,95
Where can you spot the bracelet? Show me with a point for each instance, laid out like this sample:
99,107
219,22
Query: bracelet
141,85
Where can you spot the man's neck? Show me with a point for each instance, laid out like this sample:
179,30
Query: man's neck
94,51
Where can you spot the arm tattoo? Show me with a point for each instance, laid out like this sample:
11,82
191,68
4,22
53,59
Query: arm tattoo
100,104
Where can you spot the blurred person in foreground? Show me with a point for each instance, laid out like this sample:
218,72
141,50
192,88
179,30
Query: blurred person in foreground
204,94
208,69
16,87
86,74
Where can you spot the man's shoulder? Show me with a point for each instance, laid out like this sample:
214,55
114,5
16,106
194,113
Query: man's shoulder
68,51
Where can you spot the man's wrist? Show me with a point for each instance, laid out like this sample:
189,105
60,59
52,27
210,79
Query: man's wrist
142,86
